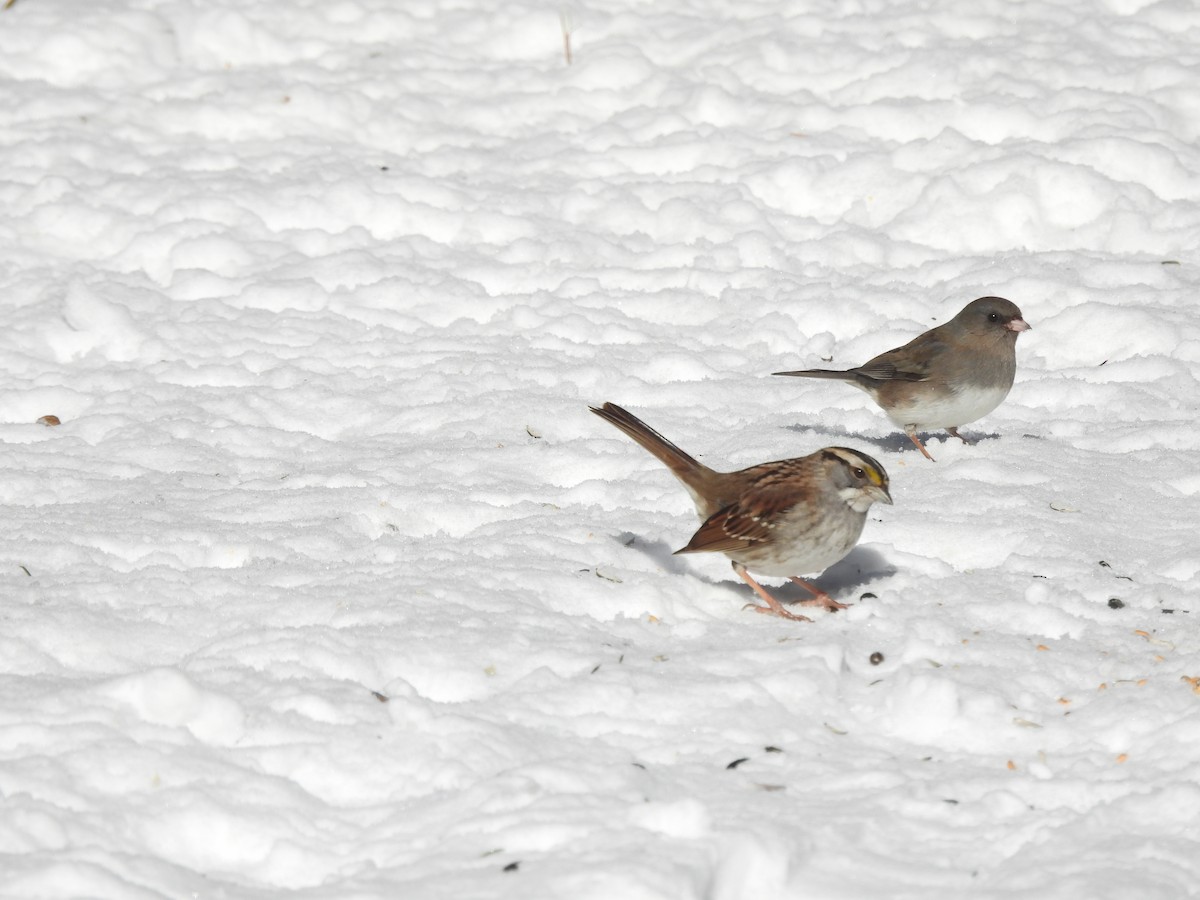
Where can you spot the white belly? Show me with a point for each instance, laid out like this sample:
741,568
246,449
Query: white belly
949,412
811,550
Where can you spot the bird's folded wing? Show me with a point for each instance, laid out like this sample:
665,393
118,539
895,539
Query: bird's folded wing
743,524
907,363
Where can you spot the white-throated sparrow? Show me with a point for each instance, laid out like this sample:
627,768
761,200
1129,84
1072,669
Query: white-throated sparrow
778,518
949,376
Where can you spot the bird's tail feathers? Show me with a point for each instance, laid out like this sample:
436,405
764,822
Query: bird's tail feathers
684,467
834,374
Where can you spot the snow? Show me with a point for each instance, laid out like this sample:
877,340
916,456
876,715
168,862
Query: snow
329,585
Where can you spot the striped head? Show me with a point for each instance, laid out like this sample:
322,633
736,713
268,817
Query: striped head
858,479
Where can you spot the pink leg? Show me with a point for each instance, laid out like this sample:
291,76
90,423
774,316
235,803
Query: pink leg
912,436
819,597
954,433
773,607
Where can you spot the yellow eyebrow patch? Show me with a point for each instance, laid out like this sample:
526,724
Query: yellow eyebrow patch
854,459
874,474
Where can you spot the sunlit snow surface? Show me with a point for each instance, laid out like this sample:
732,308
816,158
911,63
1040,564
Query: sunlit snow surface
329,585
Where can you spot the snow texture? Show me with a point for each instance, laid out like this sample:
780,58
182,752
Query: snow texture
328,584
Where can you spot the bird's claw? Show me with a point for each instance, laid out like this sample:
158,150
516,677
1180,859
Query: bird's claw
781,612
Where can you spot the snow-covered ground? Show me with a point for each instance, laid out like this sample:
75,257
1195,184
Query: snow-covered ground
329,585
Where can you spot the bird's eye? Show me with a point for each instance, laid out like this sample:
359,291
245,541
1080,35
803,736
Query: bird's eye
859,473
993,317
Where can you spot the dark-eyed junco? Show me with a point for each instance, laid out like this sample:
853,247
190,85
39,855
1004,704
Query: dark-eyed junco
949,376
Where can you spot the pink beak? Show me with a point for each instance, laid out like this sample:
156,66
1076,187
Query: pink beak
1018,325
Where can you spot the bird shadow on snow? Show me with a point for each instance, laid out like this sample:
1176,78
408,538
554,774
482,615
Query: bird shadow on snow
860,566
896,441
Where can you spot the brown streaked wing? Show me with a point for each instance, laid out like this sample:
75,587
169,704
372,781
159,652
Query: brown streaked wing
747,521
712,536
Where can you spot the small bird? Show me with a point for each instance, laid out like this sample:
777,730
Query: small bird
778,518
949,376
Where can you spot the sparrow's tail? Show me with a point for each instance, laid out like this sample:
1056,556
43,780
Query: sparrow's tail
683,466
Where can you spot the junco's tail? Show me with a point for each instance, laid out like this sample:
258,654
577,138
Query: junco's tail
851,375
821,373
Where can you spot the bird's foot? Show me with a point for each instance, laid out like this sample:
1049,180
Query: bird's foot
819,597
954,433
773,607
777,610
